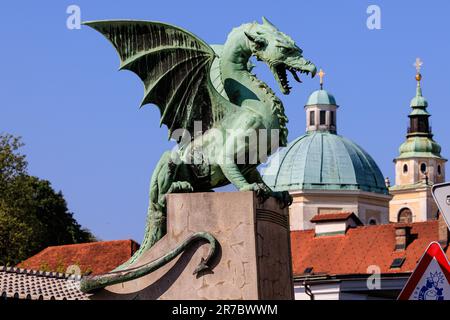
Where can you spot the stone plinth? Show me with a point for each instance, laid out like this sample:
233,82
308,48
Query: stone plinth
253,260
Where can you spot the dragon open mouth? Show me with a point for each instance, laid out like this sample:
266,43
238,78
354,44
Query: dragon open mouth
280,72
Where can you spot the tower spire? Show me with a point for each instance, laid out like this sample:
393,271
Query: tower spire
419,124
419,142
419,101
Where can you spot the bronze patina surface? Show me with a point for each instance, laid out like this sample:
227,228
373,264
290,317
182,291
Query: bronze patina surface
213,107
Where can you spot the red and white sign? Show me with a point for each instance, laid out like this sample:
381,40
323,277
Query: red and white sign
431,278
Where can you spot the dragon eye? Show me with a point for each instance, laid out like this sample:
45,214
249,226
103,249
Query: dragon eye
259,44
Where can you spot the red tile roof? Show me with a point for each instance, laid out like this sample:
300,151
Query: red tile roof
96,257
338,216
359,248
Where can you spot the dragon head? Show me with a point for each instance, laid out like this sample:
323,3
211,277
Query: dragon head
280,52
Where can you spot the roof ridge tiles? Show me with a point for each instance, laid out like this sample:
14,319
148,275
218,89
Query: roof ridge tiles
39,273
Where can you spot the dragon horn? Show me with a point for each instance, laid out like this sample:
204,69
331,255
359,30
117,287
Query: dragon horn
268,23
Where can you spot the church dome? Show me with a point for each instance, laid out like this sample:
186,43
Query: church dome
420,147
321,160
321,97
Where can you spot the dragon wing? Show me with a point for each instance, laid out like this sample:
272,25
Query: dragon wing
175,67
215,73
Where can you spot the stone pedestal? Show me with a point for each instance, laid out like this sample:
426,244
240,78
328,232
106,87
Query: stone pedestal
253,260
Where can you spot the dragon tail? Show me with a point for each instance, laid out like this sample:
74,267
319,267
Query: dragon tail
92,283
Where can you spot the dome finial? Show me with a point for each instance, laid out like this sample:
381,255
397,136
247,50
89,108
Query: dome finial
321,75
418,64
418,101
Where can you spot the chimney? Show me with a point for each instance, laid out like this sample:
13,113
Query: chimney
402,236
442,231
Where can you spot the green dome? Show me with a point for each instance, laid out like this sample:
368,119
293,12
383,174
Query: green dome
324,161
420,147
321,97
419,101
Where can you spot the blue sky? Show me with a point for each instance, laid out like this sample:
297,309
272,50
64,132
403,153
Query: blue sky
79,117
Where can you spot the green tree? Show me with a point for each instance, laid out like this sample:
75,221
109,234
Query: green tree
32,215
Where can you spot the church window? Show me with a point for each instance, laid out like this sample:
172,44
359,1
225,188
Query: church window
439,170
405,216
322,117
312,120
332,122
405,168
423,168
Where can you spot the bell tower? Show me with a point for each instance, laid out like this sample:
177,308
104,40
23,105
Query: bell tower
419,165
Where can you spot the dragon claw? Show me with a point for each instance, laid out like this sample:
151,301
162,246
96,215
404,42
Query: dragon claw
262,191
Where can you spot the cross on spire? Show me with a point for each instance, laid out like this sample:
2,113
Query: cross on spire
321,75
418,64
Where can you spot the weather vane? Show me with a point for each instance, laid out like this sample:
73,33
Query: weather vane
321,75
418,64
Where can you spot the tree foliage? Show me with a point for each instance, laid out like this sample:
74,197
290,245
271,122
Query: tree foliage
32,215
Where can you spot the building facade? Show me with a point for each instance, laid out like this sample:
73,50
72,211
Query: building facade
360,262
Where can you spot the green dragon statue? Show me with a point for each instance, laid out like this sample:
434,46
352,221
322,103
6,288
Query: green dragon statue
212,105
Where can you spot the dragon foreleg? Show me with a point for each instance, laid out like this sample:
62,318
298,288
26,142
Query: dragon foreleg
89,284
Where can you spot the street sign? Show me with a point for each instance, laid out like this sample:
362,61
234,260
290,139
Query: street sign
431,278
441,195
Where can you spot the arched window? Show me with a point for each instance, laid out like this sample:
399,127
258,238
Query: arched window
322,117
405,216
312,119
372,221
423,167
405,168
439,170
